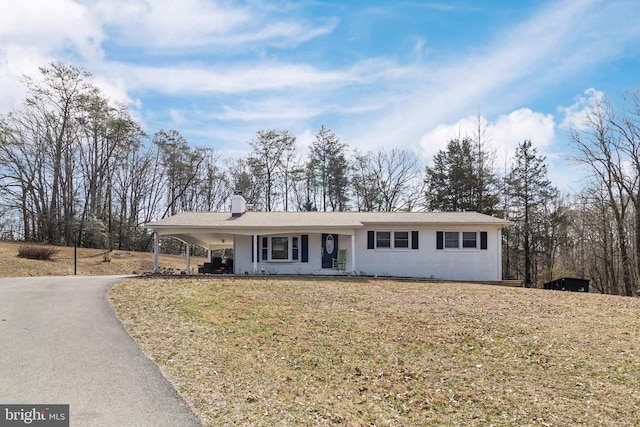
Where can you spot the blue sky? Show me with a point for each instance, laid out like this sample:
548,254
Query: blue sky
383,74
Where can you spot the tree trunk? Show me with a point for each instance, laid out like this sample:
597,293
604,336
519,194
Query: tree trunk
637,236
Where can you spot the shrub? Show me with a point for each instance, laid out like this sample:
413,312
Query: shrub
43,253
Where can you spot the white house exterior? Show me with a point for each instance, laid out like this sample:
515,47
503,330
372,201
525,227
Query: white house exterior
439,245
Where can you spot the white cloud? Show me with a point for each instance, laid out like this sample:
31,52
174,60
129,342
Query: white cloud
115,88
501,136
50,26
169,23
438,138
575,115
34,33
267,110
176,116
513,128
283,34
189,79
304,140
560,41
203,24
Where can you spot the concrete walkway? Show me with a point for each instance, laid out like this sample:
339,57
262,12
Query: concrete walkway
61,343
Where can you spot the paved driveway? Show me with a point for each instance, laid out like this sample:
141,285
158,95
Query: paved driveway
61,343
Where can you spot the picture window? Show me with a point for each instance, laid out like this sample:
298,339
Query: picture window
279,248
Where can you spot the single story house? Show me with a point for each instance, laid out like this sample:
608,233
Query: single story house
440,245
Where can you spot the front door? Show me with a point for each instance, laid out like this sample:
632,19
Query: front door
329,249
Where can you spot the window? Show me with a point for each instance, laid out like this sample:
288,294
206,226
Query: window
282,248
469,239
383,239
392,239
294,248
265,248
279,248
401,239
451,239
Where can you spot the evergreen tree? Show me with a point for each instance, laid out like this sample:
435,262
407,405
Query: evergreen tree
530,192
461,180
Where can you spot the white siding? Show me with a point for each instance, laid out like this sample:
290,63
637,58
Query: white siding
243,264
429,262
424,262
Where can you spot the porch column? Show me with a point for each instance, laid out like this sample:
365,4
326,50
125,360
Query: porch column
188,259
353,253
155,252
255,254
499,252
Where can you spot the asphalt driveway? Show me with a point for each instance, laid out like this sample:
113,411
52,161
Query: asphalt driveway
61,343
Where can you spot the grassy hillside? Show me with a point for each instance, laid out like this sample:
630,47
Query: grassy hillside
323,351
90,262
360,352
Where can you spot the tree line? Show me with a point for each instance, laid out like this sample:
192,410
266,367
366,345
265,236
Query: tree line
77,169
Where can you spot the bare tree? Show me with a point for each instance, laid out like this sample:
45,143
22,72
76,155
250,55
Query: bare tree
43,138
268,149
600,150
388,181
366,195
328,169
627,127
181,169
289,169
213,184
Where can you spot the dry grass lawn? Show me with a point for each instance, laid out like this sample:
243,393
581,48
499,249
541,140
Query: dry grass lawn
276,352
90,262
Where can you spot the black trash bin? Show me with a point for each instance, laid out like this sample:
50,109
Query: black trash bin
568,284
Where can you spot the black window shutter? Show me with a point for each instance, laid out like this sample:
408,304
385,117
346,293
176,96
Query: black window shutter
252,247
305,247
263,251
439,240
483,240
414,240
371,240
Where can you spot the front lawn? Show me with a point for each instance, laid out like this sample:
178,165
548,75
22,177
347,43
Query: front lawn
270,351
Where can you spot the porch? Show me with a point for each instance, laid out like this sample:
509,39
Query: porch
285,252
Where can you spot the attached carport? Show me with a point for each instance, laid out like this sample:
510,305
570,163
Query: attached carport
208,239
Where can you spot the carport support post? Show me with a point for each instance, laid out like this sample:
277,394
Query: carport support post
353,253
155,252
188,259
255,254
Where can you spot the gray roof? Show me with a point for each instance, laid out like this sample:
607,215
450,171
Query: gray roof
261,220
